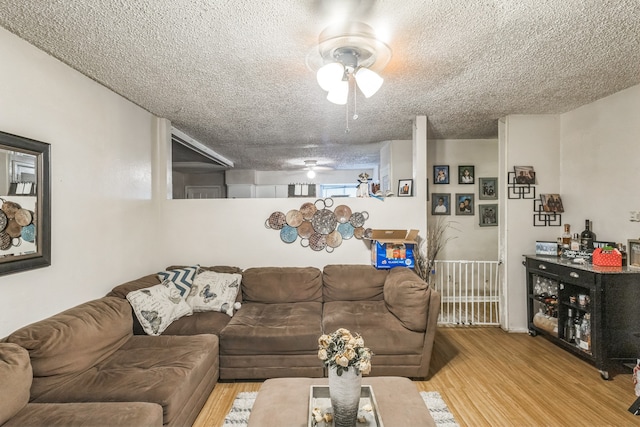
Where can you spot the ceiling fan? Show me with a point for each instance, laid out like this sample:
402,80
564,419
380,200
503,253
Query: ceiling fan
311,166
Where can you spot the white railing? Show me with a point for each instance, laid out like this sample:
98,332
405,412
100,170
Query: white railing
470,292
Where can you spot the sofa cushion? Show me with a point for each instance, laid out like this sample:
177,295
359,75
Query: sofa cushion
212,291
382,331
88,414
167,370
15,380
353,282
407,297
209,322
158,306
76,339
281,284
181,277
273,329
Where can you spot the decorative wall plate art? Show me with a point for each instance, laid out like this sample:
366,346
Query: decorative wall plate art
319,227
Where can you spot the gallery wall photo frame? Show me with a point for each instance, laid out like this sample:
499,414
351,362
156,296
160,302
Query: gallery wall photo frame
441,174
551,203
488,188
466,174
488,214
441,204
524,175
405,187
464,204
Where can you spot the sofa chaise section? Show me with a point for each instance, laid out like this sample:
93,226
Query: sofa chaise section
16,411
89,354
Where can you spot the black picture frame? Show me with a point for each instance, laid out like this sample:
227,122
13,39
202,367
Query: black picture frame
488,188
488,215
435,203
465,204
405,188
41,256
466,174
441,174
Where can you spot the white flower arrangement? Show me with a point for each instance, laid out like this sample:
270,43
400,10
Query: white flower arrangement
342,350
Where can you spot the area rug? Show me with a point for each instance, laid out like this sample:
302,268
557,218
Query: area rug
238,416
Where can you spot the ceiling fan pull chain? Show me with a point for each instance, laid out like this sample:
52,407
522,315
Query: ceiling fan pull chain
347,112
355,102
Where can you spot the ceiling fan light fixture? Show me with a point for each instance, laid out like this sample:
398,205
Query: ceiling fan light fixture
339,93
329,75
368,81
311,174
351,49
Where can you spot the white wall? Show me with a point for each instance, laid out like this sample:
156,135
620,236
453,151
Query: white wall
590,157
531,140
103,216
233,232
600,175
472,242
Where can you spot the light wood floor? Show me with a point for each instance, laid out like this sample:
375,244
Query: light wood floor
489,377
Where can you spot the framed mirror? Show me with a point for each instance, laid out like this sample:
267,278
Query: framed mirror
25,204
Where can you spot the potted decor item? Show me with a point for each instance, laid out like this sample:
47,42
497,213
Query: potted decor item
346,359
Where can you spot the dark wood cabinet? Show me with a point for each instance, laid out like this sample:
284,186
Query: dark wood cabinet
607,297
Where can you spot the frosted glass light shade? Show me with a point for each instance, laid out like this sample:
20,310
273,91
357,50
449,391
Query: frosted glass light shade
339,93
329,75
368,81
311,174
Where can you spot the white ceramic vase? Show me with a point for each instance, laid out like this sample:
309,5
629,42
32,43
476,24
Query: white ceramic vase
345,396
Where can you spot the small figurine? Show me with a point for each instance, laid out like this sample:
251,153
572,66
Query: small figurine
363,186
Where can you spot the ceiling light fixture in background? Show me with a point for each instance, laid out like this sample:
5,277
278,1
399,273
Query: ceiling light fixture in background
311,165
351,51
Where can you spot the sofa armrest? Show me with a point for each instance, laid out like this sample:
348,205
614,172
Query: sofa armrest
406,296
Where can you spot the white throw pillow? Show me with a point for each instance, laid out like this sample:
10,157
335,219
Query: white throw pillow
158,306
213,291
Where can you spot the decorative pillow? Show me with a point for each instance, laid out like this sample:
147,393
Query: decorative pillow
182,277
213,291
407,297
158,306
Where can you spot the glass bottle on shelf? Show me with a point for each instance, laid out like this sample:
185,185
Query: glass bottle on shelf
577,322
587,237
575,242
566,237
585,332
569,327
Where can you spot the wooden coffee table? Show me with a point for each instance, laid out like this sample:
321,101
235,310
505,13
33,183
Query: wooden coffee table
285,402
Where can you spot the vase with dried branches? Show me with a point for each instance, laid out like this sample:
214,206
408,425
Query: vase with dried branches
429,248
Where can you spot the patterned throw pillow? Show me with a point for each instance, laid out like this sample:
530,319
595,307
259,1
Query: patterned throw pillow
182,277
158,306
213,291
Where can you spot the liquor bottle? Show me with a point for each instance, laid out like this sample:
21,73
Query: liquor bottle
575,242
585,332
576,327
566,237
569,328
587,237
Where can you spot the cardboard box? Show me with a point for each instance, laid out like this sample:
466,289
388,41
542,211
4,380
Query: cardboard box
393,248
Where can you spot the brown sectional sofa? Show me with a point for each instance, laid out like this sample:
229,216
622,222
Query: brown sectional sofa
93,364
285,309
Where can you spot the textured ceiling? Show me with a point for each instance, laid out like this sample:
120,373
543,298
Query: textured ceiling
235,75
